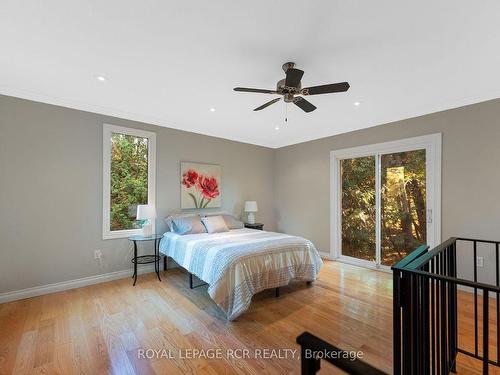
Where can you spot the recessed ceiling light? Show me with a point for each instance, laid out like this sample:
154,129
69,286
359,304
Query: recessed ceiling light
277,128
357,104
212,109
101,78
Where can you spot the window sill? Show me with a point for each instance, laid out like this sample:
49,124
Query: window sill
114,235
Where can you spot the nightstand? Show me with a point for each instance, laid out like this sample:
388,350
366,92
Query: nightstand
258,226
145,259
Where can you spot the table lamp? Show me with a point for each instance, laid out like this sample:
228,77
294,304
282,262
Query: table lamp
251,207
146,212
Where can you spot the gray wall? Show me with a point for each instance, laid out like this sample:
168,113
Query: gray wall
51,184
51,189
470,174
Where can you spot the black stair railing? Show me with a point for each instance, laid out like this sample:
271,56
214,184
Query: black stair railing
425,316
313,350
426,307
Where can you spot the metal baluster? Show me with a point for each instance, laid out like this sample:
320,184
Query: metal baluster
433,317
476,350
485,331
498,303
396,301
451,318
454,335
438,316
444,359
414,319
406,303
425,321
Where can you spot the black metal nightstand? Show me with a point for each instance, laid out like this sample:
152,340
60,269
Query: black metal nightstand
146,259
258,226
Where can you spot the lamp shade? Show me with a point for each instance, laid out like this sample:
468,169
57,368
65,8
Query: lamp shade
251,206
145,212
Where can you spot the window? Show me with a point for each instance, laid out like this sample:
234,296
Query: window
385,200
128,178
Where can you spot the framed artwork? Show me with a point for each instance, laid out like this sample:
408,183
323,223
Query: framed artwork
200,185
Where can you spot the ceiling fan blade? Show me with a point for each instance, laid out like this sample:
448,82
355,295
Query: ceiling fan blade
262,91
303,104
267,104
293,77
325,89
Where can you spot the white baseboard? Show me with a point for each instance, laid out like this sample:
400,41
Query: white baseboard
325,255
85,281
70,284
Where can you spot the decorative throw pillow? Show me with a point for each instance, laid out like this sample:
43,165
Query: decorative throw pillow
169,220
188,225
215,224
231,221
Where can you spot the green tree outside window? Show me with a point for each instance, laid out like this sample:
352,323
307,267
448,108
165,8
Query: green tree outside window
129,179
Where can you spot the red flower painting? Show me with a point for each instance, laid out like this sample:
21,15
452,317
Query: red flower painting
189,178
208,186
200,184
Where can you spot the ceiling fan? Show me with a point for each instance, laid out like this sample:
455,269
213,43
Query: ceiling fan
292,91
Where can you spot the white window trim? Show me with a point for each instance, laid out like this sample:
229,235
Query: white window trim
431,143
108,129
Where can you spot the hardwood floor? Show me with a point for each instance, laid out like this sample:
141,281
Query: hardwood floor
99,329
103,329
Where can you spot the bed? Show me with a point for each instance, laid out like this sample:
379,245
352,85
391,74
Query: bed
240,263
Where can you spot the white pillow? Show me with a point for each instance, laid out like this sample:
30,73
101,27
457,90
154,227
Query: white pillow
215,224
231,221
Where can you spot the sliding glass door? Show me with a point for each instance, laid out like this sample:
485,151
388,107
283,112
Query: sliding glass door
358,208
384,198
402,205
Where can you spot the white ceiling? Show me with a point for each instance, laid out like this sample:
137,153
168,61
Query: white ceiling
169,62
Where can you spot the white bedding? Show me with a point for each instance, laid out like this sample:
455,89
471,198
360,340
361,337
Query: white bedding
242,262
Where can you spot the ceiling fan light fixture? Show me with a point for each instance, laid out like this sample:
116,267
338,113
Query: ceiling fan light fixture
291,90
